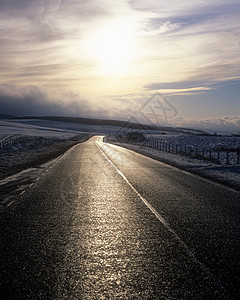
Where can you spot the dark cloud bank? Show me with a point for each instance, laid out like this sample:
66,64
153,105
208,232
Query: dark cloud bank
36,101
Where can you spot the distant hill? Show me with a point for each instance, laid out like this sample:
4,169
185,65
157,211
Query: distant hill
6,116
123,124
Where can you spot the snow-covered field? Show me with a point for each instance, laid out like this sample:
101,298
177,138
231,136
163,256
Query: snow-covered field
194,140
29,142
223,149
35,127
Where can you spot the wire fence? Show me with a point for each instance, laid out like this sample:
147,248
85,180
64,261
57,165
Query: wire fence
229,156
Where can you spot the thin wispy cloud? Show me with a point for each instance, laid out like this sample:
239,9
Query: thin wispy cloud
103,49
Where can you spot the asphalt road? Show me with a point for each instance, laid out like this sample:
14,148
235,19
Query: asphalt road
107,223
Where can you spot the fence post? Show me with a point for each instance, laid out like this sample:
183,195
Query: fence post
196,152
210,153
218,155
227,158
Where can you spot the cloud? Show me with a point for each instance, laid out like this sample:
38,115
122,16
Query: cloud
177,40
175,89
32,100
191,41
185,8
39,101
156,27
225,123
36,101
46,41
49,53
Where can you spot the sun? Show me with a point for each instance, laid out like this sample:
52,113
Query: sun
113,48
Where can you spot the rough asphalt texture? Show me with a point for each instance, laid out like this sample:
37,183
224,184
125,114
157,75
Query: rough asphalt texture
82,232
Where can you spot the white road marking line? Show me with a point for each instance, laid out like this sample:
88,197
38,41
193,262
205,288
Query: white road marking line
161,219
195,175
153,210
10,203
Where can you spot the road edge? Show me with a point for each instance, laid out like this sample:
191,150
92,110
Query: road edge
199,173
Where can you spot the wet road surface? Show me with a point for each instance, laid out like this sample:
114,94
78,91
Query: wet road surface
107,223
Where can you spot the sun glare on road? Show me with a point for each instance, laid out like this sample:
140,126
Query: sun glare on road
113,46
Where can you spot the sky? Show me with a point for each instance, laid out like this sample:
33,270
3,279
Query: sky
172,62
